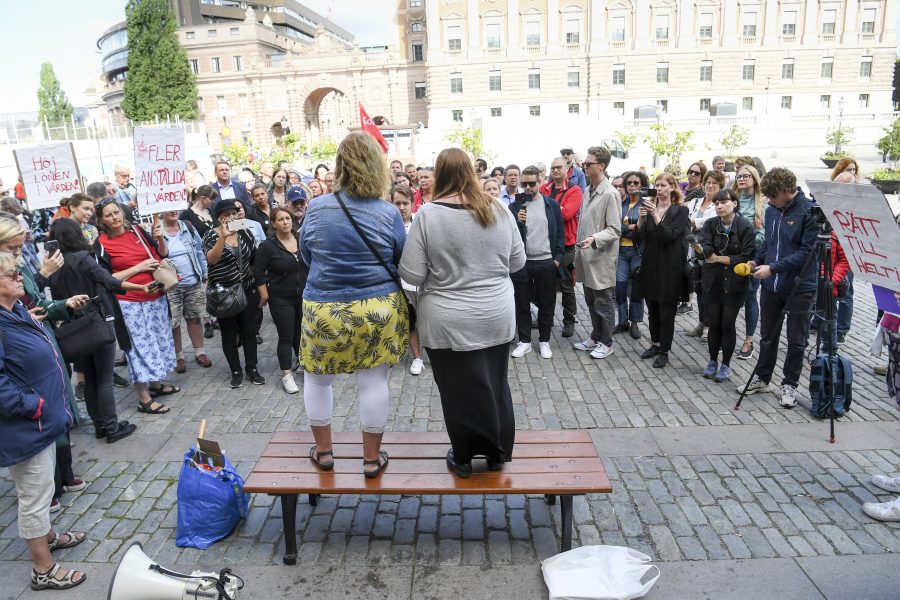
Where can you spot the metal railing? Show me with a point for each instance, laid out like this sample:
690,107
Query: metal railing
35,133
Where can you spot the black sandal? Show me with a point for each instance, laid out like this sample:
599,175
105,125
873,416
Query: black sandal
382,454
316,458
144,407
162,391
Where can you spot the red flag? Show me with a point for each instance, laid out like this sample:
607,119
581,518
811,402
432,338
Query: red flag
369,127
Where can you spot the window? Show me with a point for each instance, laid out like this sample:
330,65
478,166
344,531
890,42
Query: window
748,24
829,18
748,71
662,72
534,110
827,67
415,3
664,104
705,70
864,101
865,67
618,74
420,90
789,23
747,103
868,21
417,28
574,79
619,108
704,104
534,79
418,53
456,83
497,112
237,62
215,64
706,25
532,33
454,38
234,31
787,68
617,29
825,101
573,109
221,104
211,33
573,31
189,35
786,102
661,26
492,35
195,66
242,101
457,115
495,83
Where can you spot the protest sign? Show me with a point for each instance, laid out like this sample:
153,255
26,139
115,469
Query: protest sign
49,173
159,169
866,227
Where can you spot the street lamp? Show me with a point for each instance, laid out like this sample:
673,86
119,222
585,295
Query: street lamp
840,135
659,111
285,126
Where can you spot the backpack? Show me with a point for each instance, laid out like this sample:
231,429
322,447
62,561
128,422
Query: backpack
820,391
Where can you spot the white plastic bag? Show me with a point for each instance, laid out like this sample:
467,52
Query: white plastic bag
598,573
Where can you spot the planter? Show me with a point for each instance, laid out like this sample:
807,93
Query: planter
887,186
830,162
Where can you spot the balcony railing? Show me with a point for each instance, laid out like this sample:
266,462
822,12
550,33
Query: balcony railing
617,44
748,41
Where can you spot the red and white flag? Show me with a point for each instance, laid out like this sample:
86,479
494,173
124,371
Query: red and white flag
369,127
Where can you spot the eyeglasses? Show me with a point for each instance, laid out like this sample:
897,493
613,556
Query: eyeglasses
743,176
528,184
15,274
695,173
588,164
637,183
557,168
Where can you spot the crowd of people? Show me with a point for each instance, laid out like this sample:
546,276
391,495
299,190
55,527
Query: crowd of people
373,259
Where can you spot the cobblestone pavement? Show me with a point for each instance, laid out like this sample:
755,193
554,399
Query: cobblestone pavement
693,479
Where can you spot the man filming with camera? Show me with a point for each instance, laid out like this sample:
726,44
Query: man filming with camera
788,277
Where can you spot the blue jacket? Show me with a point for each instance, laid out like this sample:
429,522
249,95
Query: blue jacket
555,226
577,177
790,236
29,371
240,192
341,266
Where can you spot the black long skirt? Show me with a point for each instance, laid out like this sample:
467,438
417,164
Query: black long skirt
476,401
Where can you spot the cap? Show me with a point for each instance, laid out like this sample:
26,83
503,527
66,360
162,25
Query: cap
567,150
222,205
295,194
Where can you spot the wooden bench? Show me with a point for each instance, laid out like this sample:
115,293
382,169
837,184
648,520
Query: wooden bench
553,463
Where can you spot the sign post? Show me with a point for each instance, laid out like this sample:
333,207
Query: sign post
49,173
159,166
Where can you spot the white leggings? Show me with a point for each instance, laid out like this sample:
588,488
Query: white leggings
318,397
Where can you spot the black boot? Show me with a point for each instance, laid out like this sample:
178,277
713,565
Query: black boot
120,430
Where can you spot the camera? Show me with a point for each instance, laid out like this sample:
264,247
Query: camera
648,192
690,239
819,215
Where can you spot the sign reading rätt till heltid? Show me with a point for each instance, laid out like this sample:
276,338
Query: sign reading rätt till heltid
159,169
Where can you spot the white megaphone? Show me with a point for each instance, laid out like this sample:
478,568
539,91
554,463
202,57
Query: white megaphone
139,578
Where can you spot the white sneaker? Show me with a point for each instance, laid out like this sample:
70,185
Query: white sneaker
521,349
788,396
544,347
755,386
883,511
601,351
586,345
290,386
891,484
415,368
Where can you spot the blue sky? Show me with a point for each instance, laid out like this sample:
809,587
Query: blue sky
65,33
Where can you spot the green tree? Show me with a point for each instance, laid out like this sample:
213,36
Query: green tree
734,139
323,151
628,139
160,81
664,142
52,101
469,139
236,153
837,137
289,149
889,145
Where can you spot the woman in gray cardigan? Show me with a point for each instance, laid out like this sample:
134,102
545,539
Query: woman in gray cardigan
461,248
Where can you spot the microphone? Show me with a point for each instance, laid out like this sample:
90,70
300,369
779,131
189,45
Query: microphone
743,269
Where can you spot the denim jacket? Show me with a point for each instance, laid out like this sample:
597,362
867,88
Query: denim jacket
191,240
341,266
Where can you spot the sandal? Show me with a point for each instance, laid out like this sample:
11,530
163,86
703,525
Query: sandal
325,465
74,540
49,581
164,390
382,454
144,407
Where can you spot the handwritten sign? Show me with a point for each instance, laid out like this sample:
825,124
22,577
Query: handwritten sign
866,227
49,173
159,169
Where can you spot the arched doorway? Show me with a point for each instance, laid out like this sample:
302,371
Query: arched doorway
329,113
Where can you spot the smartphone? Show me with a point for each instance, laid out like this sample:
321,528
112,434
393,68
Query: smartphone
648,192
155,286
237,224
40,312
51,246
524,198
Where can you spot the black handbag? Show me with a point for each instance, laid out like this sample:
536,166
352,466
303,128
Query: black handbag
227,301
85,334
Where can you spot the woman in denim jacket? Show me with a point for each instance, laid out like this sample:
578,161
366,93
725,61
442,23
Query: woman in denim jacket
630,258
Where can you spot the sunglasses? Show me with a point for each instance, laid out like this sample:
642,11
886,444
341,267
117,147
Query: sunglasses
695,173
588,164
529,184
557,168
637,183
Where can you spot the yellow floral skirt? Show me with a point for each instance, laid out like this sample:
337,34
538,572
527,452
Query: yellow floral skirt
344,337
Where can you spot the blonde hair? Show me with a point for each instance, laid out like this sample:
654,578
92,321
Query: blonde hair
455,174
359,169
8,262
10,227
843,164
677,198
757,193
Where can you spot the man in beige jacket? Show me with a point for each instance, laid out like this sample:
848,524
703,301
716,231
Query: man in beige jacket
599,229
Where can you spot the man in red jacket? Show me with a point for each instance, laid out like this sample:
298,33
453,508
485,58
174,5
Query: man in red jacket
569,198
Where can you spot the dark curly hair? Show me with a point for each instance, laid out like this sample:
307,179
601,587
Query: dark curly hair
68,233
776,181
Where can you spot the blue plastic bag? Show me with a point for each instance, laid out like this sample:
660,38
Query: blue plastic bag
210,502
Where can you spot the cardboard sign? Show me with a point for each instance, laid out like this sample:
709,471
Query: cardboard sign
866,227
49,173
159,169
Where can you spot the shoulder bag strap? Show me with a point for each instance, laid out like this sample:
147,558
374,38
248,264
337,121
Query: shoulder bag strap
369,244
141,240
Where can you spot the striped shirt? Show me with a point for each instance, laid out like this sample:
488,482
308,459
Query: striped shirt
227,271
